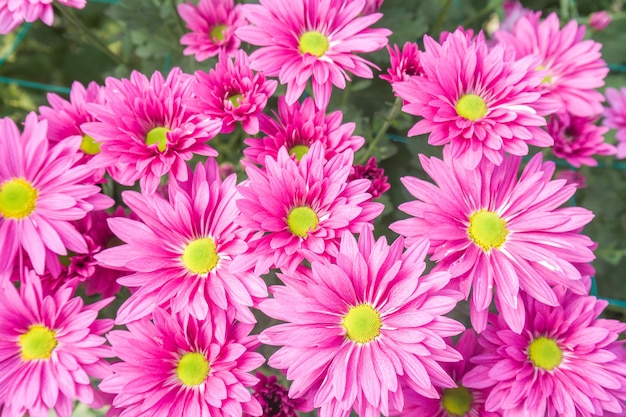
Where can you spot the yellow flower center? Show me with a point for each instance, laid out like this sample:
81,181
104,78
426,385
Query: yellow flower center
235,99
192,369
299,151
200,256
544,353
302,221
17,198
89,146
471,107
457,401
487,230
158,136
218,33
37,343
362,323
314,43
548,78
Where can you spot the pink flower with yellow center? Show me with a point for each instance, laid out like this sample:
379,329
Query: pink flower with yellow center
311,39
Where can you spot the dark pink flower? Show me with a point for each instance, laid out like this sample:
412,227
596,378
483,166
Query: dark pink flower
370,171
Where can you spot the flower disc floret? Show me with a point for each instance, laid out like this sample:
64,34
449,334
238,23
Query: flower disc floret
158,136
362,323
200,256
18,198
471,106
314,43
89,146
298,151
37,343
545,353
218,33
302,221
457,401
192,369
487,229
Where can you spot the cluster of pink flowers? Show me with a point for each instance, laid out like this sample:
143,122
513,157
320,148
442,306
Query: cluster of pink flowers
363,323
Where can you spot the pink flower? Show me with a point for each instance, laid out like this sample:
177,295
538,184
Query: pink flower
615,117
176,367
212,24
575,178
359,326
480,103
14,12
405,63
146,130
299,209
499,234
372,6
458,401
297,127
232,92
573,66
50,345
600,20
562,363
274,399
513,10
41,192
371,172
311,39
181,250
577,139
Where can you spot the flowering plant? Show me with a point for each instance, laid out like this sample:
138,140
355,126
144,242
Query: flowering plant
283,208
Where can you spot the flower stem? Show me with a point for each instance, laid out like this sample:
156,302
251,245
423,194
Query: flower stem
181,26
393,113
69,15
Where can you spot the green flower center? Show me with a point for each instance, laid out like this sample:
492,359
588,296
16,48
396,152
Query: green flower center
17,198
158,136
471,107
487,230
362,323
457,401
218,33
302,221
200,256
545,353
37,343
235,99
89,146
192,369
299,151
314,43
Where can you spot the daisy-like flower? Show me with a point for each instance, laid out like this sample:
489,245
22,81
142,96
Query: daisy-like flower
178,366
212,24
146,130
372,6
578,139
615,117
573,68
405,63
41,192
600,20
181,250
297,127
301,208
372,172
493,231
232,92
312,39
15,12
50,345
453,402
479,102
359,326
563,364
274,398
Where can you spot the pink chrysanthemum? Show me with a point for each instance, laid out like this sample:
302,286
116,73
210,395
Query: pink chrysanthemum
480,103
372,172
405,63
492,231
561,365
14,12
615,117
360,326
578,139
274,398
372,6
312,39
600,20
177,366
297,127
574,66
50,345
146,130
513,10
212,24
301,208
181,250
453,402
232,92
41,192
